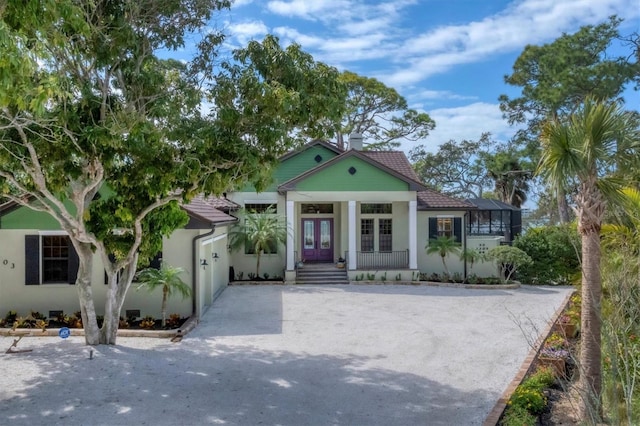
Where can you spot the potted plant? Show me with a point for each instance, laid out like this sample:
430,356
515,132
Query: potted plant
554,354
568,323
340,263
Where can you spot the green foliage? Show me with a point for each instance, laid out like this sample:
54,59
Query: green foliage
456,168
528,399
621,333
471,256
508,259
166,278
261,232
86,104
555,251
380,114
443,246
517,415
510,175
556,77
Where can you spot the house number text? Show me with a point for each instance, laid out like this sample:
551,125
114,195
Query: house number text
7,263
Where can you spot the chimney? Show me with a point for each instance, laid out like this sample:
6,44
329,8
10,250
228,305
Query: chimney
355,141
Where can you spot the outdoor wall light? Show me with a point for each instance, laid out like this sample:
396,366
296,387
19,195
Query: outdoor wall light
203,263
215,257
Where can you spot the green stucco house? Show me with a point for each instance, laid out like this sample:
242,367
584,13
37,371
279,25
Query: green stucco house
366,208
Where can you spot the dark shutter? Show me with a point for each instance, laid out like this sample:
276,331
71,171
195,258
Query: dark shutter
433,228
457,229
32,259
73,263
156,262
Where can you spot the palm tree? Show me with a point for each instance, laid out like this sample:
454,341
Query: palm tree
471,256
166,277
443,246
259,233
596,144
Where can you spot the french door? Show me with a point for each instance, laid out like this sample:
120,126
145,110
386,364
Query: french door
317,240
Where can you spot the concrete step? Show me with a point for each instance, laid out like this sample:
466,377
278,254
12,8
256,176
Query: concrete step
321,274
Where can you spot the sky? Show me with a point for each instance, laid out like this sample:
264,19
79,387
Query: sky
448,58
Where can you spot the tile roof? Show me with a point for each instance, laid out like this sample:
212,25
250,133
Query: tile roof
223,204
395,160
487,204
204,209
430,199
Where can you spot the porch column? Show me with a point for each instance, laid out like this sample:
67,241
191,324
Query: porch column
290,239
413,235
351,262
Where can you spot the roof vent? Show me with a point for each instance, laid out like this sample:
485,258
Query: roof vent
355,141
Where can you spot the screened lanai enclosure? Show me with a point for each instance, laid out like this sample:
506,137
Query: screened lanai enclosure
494,217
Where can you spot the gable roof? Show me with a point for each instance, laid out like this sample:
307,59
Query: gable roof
315,142
414,184
433,200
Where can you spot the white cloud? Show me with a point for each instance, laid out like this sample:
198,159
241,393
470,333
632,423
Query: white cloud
306,9
524,22
466,122
239,3
248,30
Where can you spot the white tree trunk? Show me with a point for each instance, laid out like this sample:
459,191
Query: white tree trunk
116,293
85,294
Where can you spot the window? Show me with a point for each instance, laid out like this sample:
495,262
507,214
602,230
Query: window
445,227
55,259
317,208
366,235
490,222
50,259
260,207
384,235
380,208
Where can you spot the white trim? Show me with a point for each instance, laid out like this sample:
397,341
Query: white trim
213,239
290,214
413,235
446,216
352,262
50,233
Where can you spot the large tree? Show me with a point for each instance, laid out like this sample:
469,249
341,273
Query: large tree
510,175
380,114
555,79
590,149
456,168
87,105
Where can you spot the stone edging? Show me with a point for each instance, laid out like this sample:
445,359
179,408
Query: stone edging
256,283
439,284
495,414
122,332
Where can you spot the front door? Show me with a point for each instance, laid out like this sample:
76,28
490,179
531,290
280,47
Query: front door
317,240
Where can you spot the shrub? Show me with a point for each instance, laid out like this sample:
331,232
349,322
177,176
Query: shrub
530,398
508,259
555,254
516,415
174,320
543,378
148,322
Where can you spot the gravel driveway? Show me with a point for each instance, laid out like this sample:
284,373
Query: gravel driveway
292,355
